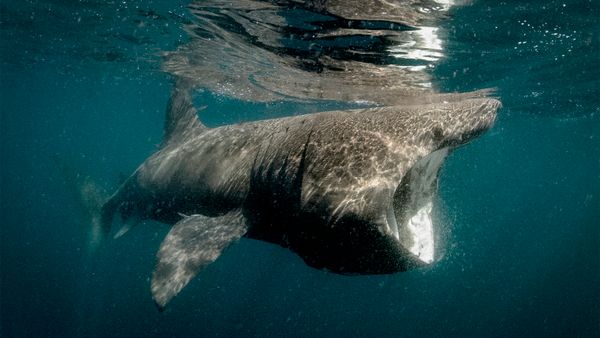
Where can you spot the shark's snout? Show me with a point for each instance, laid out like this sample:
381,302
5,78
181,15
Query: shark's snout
467,121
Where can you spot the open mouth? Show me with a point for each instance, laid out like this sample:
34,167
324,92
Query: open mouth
410,213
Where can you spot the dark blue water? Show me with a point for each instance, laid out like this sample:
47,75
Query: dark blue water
522,203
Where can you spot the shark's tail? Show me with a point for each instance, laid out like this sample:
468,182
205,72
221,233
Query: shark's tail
89,198
93,197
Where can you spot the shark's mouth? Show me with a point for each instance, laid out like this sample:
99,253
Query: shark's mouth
409,215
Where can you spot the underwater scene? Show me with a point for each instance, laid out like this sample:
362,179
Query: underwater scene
300,168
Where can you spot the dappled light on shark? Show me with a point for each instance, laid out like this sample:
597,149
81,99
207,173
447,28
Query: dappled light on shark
348,191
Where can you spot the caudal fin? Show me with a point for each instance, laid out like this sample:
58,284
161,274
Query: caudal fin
89,198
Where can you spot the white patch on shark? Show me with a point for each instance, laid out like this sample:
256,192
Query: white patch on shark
421,228
416,232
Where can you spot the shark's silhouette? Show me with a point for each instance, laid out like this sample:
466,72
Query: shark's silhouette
348,191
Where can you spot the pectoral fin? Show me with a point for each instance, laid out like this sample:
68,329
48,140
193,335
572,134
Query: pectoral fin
124,229
193,243
127,225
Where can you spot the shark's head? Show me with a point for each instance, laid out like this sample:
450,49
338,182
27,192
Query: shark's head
438,129
445,125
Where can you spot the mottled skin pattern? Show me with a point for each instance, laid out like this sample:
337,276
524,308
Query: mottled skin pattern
320,184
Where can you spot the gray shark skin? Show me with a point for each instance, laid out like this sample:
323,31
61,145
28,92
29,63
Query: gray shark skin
348,191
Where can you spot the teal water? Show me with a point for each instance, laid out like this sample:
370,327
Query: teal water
522,203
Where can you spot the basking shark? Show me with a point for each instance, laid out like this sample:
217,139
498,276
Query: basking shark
349,191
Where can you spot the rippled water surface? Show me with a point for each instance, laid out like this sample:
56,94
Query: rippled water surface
86,84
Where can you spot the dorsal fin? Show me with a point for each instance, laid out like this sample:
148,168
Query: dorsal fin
181,119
